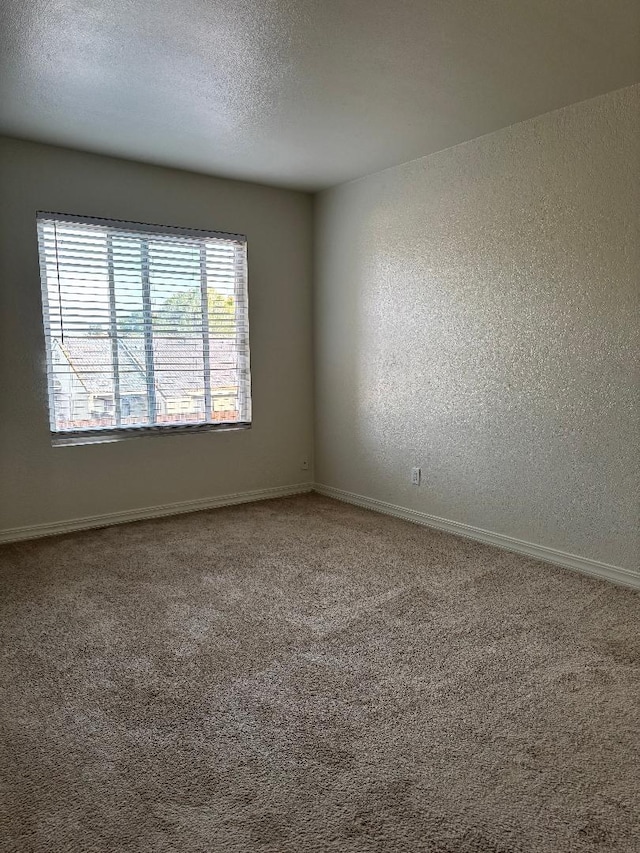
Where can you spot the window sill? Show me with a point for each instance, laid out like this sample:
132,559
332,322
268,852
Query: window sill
108,435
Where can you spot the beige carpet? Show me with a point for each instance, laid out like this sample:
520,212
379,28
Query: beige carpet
300,675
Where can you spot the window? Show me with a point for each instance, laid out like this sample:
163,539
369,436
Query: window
146,328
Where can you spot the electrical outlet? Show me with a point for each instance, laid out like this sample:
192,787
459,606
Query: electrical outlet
415,476
305,464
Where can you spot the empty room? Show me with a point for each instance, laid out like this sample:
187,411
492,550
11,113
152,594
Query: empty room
320,426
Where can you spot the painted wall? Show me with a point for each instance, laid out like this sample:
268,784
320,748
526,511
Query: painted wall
40,484
477,313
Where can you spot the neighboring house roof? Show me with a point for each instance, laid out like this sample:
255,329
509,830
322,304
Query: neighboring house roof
91,360
178,364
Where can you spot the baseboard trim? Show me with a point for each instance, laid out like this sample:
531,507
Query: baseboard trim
36,531
615,574
584,565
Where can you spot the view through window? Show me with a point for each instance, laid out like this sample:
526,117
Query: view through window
146,327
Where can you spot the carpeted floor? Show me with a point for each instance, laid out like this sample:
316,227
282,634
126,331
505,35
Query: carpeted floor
301,676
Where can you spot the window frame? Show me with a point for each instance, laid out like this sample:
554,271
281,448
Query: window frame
107,434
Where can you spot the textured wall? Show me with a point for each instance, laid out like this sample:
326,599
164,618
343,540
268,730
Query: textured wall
477,313
40,484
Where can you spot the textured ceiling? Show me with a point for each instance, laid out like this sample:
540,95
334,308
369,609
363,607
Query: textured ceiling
302,93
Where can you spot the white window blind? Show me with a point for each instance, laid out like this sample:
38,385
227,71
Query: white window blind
146,328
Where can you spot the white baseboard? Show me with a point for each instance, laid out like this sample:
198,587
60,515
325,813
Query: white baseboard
36,531
616,574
